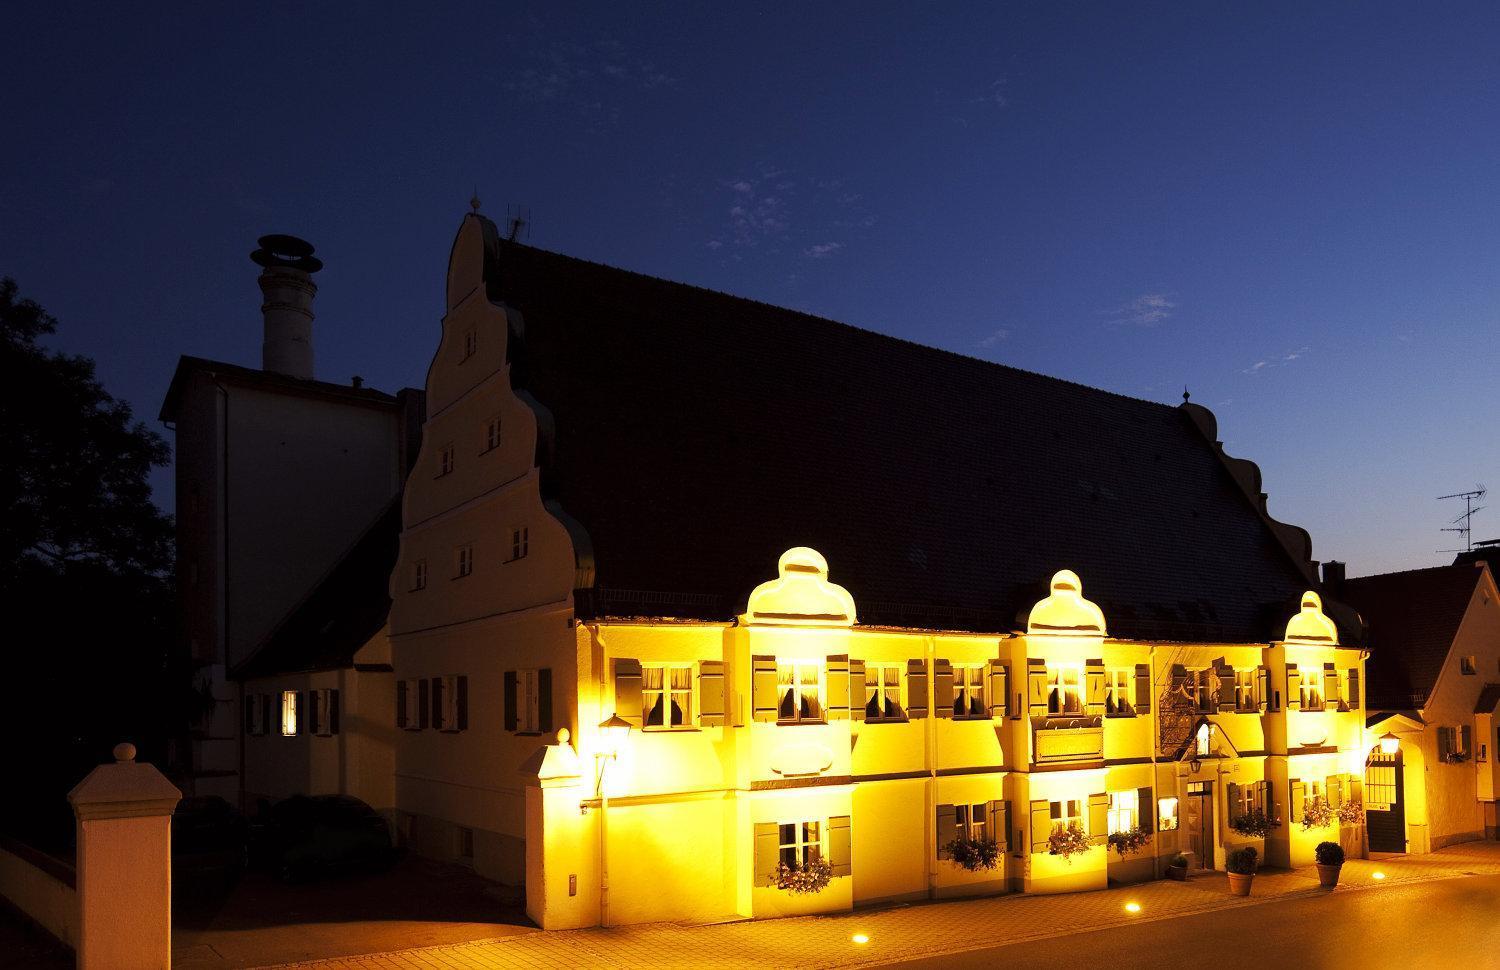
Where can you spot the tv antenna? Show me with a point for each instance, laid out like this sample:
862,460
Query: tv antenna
518,219
1464,524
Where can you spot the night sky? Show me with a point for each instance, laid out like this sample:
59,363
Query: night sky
1291,211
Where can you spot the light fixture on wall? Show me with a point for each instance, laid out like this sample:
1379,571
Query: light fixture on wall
613,733
1389,743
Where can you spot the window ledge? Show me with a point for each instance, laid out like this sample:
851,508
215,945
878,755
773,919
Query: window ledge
671,730
801,723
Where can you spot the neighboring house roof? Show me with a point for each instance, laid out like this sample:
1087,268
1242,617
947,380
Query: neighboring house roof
696,436
1413,617
251,376
340,613
1488,698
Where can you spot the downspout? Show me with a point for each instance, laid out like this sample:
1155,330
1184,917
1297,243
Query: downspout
223,585
601,767
1155,753
930,746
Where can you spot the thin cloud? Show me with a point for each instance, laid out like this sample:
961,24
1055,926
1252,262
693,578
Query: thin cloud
1146,310
1275,360
995,338
822,250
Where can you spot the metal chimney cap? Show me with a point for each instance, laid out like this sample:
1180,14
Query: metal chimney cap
278,249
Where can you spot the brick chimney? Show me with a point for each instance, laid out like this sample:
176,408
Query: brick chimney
1333,577
287,264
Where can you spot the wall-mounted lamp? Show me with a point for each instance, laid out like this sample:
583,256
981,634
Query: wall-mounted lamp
613,733
1389,743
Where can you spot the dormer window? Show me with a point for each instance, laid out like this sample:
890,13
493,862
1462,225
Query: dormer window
465,564
492,434
1064,690
471,343
445,460
520,542
419,574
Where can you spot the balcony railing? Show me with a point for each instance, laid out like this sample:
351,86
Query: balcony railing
1067,740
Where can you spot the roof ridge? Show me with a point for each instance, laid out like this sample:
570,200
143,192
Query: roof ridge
1413,571
723,294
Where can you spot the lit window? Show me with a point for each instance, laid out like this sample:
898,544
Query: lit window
465,560
800,683
1244,691
471,343
288,713
1203,741
883,693
492,434
520,542
1166,814
972,822
1466,665
968,692
1066,814
1312,692
445,460
1118,688
801,843
419,574
667,696
1124,810
1313,794
1064,695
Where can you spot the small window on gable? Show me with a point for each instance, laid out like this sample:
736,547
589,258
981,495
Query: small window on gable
1466,665
492,434
445,460
465,564
520,542
419,574
471,343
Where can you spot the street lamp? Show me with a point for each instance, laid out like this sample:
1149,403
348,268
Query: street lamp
612,734
1389,743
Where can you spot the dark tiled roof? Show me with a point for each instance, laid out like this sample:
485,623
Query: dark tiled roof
698,435
249,375
340,613
1488,698
1413,617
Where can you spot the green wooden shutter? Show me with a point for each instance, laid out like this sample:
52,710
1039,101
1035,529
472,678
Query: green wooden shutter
512,701
249,705
315,723
995,822
627,674
1330,686
437,703
1262,688
1093,676
265,715
1099,816
711,693
1466,740
400,703
1335,785
764,694
544,700
839,855
1178,678
1356,789
1041,826
304,699
1232,795
942,688
1227,693
999,688
462,703
333,711
916,689
1354,700
1445,743
1143,688
1147,814
947,830
1296,797
1036,687
1293,688
1269,798
838,688
767,852
856,690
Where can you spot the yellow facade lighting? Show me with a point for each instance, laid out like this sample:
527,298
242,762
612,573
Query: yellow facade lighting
613,733
1389,743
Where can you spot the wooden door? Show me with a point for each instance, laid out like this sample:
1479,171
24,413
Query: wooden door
1200,823
1385,802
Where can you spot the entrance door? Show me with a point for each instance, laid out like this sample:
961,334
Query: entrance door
1199,823
1385,802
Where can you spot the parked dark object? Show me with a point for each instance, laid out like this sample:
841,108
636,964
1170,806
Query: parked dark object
1241,865
210,842
305,837
1177,868
1330,856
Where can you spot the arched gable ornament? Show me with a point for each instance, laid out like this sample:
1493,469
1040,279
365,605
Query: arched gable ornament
802,595
1065,612
1310,625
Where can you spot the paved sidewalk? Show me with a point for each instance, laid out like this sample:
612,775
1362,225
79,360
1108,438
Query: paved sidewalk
904,932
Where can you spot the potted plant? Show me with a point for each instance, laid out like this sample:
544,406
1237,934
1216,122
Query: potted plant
1068,841
811,877
1330,857
1241,865
1177,867
973,854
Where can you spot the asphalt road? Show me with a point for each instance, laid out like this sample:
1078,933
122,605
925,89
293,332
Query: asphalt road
1420,926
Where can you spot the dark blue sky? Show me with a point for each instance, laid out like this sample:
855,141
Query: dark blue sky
1293,212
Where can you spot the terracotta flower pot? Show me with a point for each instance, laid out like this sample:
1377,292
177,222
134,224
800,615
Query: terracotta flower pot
1328,876
1177,872
1239,882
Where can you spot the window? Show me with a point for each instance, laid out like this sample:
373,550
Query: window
667,696
883,693
1466,665
1312,794
968,692
419,574
972,822
492,434
1203,742
533,689
1244,691
288,713
257,711
520,542
1199,688
465,560
800,684
465,843
471,343
1380,781
324,712
1118,691
1064,695
1066,814
1124,810
801,843
1312,692
1166,814
408,705
445,460
446,700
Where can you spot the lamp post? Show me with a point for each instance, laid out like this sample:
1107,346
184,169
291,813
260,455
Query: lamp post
612,733
1389,743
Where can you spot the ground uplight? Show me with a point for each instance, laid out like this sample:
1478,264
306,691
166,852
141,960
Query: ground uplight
860,938
1132,907
1377,875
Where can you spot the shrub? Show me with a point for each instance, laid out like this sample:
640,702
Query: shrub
1066,841
1243,861
811,877
1317,816
1132,839
1254,823
1179,861
974,854
1329,854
